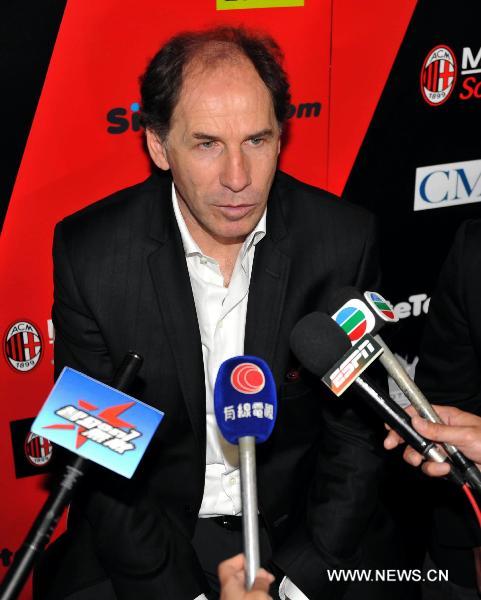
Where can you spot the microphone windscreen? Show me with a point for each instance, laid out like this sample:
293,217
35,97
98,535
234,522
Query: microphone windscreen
318,342
245,399
349,309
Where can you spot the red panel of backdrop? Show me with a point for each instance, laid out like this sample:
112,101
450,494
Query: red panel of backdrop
85,143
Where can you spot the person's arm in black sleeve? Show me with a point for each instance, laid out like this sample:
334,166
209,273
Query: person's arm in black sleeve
134,540
78,341
344,488
449,370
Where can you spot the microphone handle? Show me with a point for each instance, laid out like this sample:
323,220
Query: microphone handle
126,371
250,516
400,421
425,409
47,519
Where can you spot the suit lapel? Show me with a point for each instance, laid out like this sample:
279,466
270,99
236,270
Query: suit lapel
174,294
268,287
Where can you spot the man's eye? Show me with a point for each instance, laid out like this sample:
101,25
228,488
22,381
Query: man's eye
256,141
207,145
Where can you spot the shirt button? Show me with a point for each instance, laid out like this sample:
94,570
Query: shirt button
232,480
203,260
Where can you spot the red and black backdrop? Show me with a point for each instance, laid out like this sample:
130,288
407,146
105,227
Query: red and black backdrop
386,104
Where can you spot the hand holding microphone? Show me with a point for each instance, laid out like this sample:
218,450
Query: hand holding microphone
459,427
359,314
317,342
245,404
232,579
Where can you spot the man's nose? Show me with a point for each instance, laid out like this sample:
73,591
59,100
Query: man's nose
235,174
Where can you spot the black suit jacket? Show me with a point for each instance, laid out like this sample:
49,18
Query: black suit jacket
449,372
121,282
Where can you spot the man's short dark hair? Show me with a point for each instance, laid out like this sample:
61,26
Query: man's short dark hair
161,83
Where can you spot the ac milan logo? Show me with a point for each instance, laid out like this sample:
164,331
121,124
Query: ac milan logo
247,378
38,450
22,346
438,75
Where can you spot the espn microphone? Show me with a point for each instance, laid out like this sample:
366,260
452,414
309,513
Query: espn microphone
317,341
368,313
245,405
66,419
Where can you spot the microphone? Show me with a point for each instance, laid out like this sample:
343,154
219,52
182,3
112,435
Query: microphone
245,406
99,422
317,341
373,310
358,314
72,419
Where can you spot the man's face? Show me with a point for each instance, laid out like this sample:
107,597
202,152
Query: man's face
222,150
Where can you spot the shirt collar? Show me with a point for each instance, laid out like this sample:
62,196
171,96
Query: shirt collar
191,248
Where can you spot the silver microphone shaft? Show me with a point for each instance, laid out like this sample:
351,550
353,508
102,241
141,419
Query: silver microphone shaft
250,519
426,410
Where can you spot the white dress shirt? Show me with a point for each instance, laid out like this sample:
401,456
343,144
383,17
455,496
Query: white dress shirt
221,314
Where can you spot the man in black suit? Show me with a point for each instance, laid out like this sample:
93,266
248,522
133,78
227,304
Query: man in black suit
221,257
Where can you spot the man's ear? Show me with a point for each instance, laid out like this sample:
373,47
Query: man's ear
156,149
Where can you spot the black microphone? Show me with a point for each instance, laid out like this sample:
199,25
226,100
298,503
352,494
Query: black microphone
376,312
317,342
47,519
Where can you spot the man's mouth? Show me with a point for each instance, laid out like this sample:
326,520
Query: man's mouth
235,211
